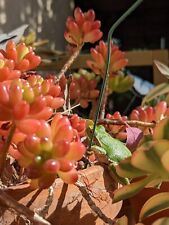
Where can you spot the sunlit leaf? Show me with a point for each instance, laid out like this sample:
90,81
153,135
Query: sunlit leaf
126,169
130,190
149,158
155,92
164,70
122,221
121,83
157,203
162,221
161,131
30,38
164,160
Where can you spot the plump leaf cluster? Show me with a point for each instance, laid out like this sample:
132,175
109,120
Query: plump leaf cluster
45,150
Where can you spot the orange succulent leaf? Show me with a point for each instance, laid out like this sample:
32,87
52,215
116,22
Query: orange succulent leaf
24,125
78,124
151,114
23,57
118,131
84,87
31,98
69,177
52,149
160,110
75,149
7,71
14,153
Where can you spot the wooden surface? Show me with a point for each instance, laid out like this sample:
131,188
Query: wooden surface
136,58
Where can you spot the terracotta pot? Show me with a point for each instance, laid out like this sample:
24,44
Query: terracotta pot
138,201
69,205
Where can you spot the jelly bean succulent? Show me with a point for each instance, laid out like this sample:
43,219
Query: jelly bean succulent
82,28
43,142
117,131
99,57
116,81
50,151
23,57
83,88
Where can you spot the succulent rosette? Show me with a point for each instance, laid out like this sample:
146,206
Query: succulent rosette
99,58
23,57
50,151
149,113
82,28
83,87
117,131
7,71
36,97
79,124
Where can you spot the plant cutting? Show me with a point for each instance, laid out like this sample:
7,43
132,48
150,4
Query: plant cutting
57,167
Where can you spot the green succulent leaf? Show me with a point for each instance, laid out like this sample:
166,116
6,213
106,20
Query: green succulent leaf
126,169
157,203
149,158
155,92
162,221
122,221
121,83
161,130
130,190
164,160
149,161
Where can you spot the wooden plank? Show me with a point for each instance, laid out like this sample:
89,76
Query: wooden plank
136,58
139,58
162,56
57,63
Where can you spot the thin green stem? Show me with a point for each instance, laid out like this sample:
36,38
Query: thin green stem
106,77
4,151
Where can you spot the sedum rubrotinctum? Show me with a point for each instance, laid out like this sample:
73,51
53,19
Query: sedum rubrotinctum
44,149
46,144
